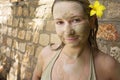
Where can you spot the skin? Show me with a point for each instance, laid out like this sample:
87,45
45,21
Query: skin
73,27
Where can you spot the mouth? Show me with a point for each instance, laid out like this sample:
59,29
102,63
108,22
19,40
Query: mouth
71,39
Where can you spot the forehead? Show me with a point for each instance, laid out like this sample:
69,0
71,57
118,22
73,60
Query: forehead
67,9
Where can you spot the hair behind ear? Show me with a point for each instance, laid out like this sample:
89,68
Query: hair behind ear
93,21
93,32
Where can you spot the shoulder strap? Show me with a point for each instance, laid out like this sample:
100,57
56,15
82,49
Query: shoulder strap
46,75
92,69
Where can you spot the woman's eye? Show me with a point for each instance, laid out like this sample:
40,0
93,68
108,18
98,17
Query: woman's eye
76,20
59,22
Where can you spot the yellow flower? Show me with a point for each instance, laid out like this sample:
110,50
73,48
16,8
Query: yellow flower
97,9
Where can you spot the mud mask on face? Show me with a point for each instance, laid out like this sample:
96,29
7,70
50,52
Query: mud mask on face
82,28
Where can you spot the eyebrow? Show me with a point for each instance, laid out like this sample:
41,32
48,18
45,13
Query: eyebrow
69,18
76,16
57,19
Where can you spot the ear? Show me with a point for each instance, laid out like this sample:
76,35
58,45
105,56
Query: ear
92,21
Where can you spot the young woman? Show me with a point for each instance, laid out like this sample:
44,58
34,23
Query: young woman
78,57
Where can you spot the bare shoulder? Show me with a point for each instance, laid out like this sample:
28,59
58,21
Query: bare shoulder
40,63
106,60
48,53
49,50
108,65
43,59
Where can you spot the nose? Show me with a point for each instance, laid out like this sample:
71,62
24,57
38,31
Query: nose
68,30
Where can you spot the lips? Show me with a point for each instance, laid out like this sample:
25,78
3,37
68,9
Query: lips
71,39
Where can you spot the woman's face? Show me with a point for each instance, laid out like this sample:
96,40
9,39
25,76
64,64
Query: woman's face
71,23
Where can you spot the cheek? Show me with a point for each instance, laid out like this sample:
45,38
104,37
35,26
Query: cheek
59,31
82,29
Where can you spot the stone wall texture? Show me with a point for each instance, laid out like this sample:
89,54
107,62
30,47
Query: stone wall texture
28,27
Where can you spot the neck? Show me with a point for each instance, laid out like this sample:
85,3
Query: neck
75,52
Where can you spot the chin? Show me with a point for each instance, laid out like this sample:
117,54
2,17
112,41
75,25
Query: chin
73,44
77,43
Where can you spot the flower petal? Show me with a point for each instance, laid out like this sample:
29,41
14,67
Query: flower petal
102,7
96,4
92,12
91,6
99,14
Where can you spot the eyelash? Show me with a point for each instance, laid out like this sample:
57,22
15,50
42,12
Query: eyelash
76,20
59,22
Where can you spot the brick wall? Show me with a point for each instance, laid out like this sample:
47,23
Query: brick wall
29,28
109,38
